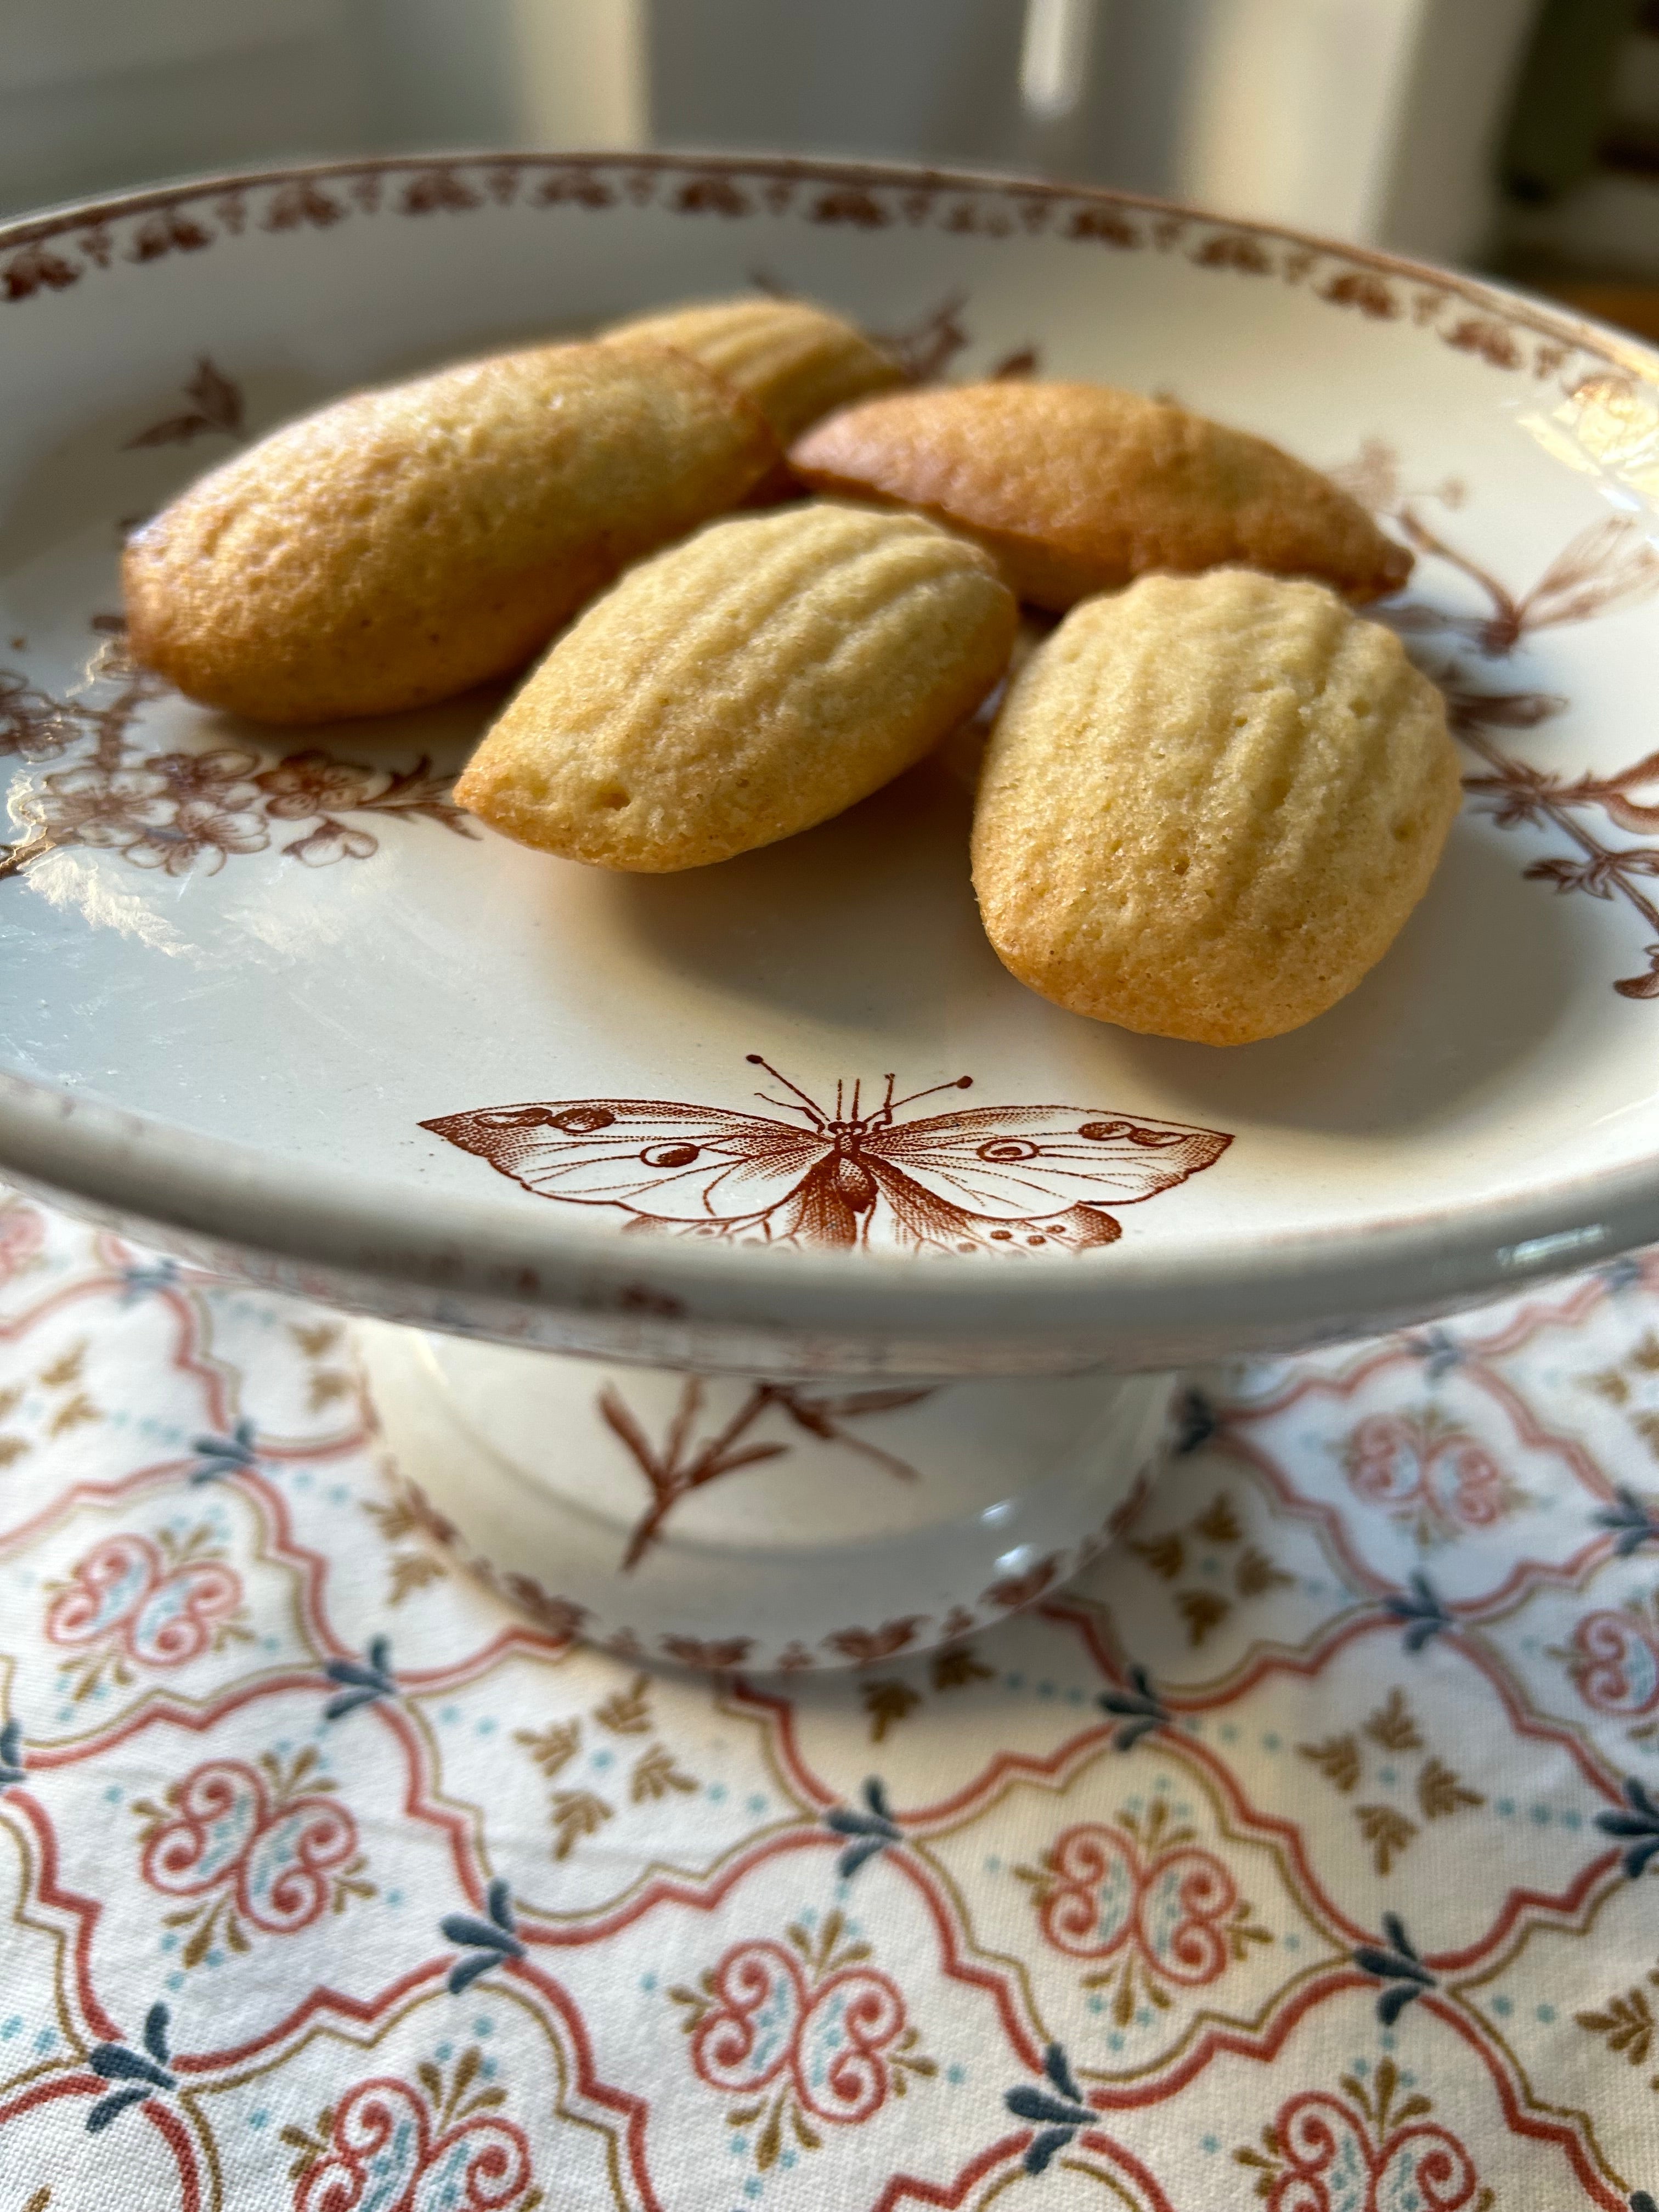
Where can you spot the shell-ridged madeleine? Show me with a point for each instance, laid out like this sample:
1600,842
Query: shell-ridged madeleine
1209,804
740,687
793,360
1077,488
404,543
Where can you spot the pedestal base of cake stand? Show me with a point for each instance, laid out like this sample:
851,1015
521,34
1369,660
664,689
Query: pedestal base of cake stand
711,1521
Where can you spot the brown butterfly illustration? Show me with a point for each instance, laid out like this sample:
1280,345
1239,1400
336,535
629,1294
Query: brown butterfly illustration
994,1178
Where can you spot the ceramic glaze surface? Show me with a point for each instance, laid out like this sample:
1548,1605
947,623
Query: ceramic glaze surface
684,1515
290,956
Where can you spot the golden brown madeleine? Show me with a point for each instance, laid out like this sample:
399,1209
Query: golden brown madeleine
403,543
740,687
794,360
1209,804
1078,488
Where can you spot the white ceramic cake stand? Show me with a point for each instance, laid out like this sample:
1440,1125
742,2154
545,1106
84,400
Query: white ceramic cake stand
762,1524
711,1313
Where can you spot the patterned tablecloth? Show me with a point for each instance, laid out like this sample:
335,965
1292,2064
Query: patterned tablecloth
1301,1853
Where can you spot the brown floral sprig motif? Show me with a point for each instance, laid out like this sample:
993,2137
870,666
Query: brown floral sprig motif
1384,1829
34,727
1204,1607
684,1461
1515,794
185,811
216,404
1608,567
656,1774
890,1700
311,786
864,1646
1633,1378
408,1513
925,348
320,1342
1625,2025
64,1377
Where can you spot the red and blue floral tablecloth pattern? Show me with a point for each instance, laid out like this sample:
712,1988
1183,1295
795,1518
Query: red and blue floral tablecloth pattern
1301,1853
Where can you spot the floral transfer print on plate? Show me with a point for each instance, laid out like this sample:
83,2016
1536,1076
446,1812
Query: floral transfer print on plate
185,811
684,1462
1607,568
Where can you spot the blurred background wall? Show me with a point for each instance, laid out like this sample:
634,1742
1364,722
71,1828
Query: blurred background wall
1522,135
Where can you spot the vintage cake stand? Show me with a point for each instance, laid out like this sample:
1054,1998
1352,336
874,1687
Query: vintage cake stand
756,1275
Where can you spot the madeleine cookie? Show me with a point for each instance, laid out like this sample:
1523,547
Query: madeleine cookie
1209,804
794,360
1080,489
402,544
742,686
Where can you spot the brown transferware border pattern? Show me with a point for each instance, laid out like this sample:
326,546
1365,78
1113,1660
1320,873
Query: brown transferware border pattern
53,252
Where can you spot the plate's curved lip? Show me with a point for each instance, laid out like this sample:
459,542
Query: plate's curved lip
150,1171
209,1188
1583,332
